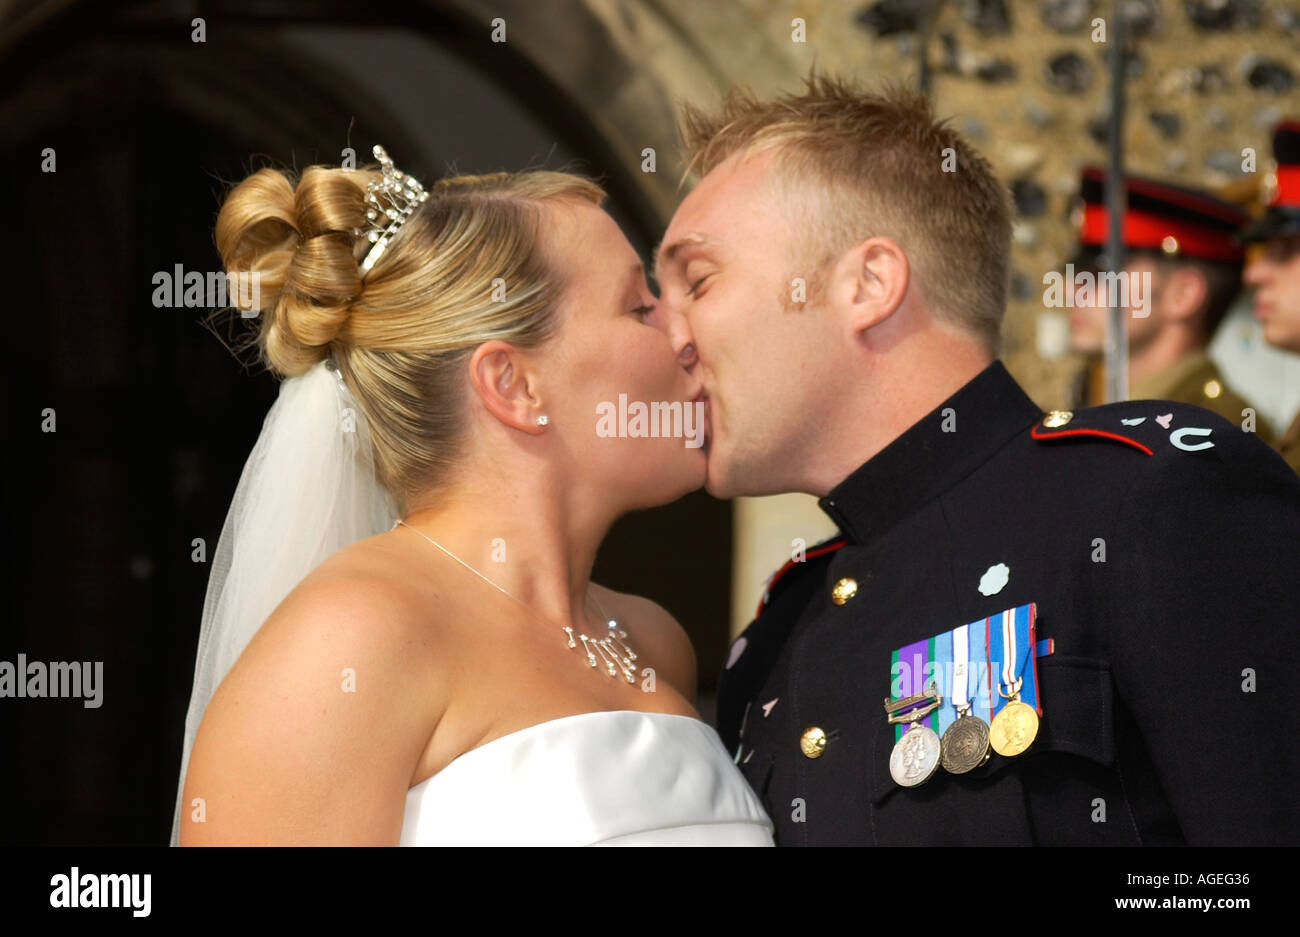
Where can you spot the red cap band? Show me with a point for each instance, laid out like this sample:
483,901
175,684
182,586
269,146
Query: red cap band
1143,231
1288,187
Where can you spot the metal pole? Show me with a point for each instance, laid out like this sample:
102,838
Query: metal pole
1116,205
923,78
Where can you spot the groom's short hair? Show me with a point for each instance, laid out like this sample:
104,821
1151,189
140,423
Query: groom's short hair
853,164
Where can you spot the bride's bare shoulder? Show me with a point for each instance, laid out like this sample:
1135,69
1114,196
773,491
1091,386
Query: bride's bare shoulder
363,594
282,742
361,572
353,610
656,635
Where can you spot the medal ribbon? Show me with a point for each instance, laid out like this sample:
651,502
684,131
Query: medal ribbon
969,683
1012,646
953,649
911,663
960,664
1009,660
1007,640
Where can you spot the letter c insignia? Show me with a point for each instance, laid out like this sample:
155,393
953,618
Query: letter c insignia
1176,437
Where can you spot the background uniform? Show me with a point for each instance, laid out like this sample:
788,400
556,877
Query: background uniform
1162,556
1288,445
1281,219
1196,379
1184,225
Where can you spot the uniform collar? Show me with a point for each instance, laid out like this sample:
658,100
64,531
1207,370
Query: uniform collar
925,461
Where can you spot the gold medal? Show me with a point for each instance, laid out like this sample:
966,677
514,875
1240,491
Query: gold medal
1014,728
965,744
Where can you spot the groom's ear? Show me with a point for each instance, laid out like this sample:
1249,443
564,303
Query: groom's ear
874,278
500,375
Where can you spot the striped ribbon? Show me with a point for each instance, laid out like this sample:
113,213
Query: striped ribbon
1000,650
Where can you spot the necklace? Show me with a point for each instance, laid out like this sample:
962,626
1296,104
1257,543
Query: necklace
612,648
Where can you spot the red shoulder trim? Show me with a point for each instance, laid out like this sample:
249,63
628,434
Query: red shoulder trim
1088,432
829,547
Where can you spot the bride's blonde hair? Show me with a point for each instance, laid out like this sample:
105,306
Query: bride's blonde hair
402,336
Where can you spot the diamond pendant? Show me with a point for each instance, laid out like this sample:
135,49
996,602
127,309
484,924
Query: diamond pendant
614,652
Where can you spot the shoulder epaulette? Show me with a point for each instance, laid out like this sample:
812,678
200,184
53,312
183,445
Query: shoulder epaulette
1145,425
820,549
1064,424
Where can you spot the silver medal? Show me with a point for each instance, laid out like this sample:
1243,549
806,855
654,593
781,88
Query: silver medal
915,757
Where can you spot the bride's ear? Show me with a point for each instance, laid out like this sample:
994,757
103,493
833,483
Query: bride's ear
499,374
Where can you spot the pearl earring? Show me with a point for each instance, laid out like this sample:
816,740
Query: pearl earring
542,420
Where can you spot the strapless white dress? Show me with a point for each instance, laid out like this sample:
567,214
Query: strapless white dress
605,778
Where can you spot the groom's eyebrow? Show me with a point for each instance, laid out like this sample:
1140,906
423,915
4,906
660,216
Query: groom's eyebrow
667,254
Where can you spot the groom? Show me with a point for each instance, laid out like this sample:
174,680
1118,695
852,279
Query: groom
1062,628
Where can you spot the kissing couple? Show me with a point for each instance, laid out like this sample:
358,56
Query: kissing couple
401,643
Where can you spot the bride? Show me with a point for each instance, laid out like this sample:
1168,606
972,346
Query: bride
401,643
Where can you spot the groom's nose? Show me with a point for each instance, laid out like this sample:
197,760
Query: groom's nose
688,356
679,335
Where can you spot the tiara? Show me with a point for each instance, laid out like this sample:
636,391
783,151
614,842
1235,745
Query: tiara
389,202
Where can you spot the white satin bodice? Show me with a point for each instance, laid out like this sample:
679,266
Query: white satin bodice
602,778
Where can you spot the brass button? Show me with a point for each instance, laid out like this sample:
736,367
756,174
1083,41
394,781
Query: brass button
844,590
1058,418
813,742
1213,388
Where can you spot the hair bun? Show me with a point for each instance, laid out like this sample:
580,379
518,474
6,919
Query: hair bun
298,243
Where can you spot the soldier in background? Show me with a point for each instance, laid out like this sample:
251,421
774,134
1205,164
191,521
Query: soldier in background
1274,267
1184,240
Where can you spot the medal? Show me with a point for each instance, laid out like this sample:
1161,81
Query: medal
1014,728
965,744
1015,725
915,756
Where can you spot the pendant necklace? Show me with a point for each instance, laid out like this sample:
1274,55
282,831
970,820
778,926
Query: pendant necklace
613,649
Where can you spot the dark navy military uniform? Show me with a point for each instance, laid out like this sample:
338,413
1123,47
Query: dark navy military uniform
1162,555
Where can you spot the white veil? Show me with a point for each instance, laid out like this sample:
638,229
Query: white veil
307,490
